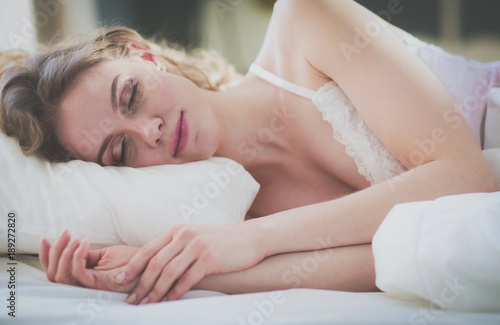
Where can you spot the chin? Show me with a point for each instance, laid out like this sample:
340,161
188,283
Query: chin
206,146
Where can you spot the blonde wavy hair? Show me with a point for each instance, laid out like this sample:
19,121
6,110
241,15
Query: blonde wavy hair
32,86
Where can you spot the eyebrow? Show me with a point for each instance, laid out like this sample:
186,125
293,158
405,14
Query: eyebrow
113,92
103,149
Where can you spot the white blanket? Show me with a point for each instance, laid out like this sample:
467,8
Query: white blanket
446,251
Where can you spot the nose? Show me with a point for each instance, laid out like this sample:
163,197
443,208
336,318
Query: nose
150,131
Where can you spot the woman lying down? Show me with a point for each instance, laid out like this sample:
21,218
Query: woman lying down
398,136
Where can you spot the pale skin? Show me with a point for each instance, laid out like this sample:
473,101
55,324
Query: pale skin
314,200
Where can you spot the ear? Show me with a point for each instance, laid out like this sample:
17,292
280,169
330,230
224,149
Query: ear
138,50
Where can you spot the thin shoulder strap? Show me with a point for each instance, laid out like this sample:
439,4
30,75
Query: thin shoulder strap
278,82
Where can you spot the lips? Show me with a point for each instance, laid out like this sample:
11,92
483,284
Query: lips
181,135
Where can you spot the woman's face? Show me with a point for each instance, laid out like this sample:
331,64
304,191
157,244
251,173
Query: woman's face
127,112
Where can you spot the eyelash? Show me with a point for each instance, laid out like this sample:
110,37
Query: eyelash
133,95
121,162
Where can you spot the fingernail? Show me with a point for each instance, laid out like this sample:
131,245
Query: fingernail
120,277
144,301
131,299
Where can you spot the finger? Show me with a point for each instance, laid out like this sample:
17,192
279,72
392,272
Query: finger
170,273
91,278
55,253
153,271
187,281
142,258
63,273
43,254
93,258
78,267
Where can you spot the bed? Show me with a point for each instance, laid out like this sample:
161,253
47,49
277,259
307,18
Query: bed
442,277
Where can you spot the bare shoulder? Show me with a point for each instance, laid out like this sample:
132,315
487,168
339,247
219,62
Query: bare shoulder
283,52
291,16
282,49
304,34
307,25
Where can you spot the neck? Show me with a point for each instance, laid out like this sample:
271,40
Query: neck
244,115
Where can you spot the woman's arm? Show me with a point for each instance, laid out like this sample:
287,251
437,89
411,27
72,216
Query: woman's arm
404,105
349,268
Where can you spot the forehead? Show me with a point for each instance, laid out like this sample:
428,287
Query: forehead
97,81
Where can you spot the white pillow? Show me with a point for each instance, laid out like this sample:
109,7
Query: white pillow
114,205
446,251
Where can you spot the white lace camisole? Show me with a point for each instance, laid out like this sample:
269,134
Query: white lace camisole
373,159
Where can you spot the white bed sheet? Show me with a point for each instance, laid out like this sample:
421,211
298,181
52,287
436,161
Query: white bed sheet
41,302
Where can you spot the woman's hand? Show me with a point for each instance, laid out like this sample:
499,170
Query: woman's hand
173,263
73,263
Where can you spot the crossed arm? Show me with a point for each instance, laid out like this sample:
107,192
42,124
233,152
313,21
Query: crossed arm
260,254
347,268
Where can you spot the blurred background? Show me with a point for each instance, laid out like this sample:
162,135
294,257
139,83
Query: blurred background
236,28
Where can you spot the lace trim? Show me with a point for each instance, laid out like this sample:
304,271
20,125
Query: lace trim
373,159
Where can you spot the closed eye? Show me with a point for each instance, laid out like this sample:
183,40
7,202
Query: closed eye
133,96
130,96
121,162
119,151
